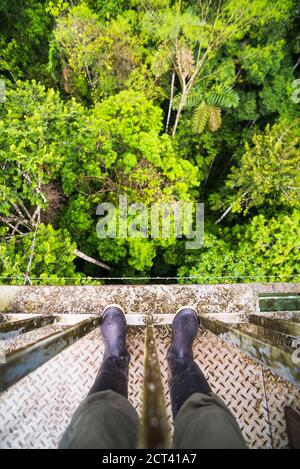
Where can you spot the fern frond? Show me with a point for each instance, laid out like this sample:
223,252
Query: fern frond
215,118
200,117
226,98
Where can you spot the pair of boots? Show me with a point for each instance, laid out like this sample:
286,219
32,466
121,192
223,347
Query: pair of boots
185,377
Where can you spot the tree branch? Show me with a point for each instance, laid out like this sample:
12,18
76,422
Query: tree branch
224,215
91,260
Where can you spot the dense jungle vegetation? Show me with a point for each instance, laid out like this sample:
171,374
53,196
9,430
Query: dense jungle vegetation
162,101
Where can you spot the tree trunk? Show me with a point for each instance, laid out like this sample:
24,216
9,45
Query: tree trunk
179,110
171,101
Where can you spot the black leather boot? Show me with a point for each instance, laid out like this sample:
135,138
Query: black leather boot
185,376
113,373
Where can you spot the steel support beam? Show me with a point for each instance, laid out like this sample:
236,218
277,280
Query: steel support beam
285,326
154,429
25,360
278,359
9,329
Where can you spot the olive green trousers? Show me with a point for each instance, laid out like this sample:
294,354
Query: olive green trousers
107,420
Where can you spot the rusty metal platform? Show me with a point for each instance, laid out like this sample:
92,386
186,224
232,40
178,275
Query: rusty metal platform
35,411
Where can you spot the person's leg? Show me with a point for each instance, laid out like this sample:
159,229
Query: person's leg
106,419
185,376
201,419
113,372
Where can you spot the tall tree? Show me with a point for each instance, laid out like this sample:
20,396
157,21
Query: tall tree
188,40
268,172
95,57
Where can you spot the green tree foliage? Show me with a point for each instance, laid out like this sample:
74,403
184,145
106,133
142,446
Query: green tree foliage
268,173
33,127
95,58
266,249
89,93
52,260
120,152
189,42
24,39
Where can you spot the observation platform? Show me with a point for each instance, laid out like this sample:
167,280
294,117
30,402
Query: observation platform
247,346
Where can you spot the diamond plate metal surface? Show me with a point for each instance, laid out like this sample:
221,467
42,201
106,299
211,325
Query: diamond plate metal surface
279,394
35,411
149,299
233,377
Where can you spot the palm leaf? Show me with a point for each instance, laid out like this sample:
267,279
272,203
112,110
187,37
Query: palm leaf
215,118
185,60
226,98
161,61
193,100
200,117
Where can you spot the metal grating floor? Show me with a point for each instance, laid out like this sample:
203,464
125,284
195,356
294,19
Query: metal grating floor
35,411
